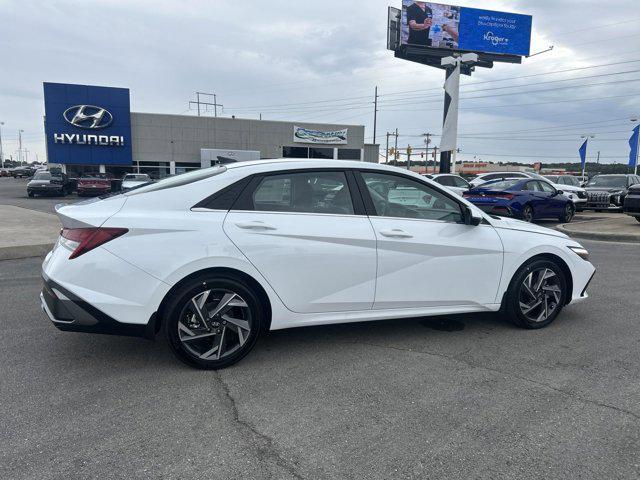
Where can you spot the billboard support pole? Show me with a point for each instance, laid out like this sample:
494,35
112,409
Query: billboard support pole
450,116
375,115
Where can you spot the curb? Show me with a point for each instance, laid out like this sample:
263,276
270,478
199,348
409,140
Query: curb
25,251
606,237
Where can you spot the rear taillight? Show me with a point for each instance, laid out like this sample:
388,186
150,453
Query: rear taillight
504,196
83,240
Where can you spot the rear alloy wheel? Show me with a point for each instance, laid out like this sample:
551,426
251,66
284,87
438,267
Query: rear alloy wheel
537,294
527,214
214,322
569,212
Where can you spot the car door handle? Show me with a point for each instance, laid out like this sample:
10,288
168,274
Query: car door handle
395,233
255,225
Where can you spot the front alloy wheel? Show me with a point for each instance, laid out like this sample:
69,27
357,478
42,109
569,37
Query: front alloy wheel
537,294
527,214
569,212
213,323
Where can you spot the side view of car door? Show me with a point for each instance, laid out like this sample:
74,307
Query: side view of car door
427,255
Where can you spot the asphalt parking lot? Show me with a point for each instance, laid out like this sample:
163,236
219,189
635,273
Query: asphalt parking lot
13,191
459,397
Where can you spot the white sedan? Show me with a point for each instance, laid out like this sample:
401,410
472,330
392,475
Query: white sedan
132,180
219,255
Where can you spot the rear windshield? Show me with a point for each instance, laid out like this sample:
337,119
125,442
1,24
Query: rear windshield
501,184
42,176
180,180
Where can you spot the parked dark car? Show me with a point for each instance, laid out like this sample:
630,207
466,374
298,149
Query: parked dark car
48,183
526,199
93,184
607,192
22,172
632,202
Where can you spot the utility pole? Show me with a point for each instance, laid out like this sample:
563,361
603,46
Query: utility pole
391,134
409,150
375,114
396,146
1,151
198,102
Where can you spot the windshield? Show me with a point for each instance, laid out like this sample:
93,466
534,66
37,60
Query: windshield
179,180
536,176
137,177
501,184
42,176
608,181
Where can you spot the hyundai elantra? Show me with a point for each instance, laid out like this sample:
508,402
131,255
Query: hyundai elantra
216,257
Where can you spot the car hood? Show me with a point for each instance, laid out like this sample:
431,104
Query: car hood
568,188
513,224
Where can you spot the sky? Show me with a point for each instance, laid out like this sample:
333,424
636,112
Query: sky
320,61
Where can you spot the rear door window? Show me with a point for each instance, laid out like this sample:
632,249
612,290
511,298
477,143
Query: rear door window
304,192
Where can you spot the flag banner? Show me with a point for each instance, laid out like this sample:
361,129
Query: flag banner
583,153
633,143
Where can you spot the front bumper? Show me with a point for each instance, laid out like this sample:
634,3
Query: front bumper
70,313
632,205
604,201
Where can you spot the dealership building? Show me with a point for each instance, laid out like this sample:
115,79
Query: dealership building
91,129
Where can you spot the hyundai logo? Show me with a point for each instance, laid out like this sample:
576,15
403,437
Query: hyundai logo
88,116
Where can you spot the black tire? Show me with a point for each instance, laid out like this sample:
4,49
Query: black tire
637,218
517,293
569,212
176,317
31,194
527,213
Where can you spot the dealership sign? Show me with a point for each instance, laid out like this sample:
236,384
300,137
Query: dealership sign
87,125
451,27
306,135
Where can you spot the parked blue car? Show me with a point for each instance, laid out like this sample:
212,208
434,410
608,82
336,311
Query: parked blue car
527,199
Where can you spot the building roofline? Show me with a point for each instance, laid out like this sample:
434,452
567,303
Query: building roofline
301,122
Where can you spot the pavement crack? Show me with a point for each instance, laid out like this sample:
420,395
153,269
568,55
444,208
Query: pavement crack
509,374
263,443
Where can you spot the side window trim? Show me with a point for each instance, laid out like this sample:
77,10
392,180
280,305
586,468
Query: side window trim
244,202
368,201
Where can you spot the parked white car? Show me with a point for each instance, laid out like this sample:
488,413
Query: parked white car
132,180
572,188
453,182
219,255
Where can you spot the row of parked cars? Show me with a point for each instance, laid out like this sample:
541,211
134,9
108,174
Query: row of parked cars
529,196
55,182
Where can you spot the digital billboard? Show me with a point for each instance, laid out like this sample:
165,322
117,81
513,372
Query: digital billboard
451,27
87,125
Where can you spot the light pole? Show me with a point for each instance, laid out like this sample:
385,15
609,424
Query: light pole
1,151
635,168
20,132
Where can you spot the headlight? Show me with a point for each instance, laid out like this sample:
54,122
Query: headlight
581,252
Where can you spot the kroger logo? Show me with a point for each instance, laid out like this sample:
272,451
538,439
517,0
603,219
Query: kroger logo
495,40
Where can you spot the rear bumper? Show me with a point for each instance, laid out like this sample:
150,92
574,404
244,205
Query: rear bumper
93,191
72,314
500,210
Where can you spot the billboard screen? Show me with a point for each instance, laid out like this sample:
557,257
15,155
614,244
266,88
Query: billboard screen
87,125
436,25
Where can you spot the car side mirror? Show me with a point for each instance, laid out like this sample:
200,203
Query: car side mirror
559,192
472,217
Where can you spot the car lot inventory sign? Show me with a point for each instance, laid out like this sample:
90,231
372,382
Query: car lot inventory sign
436,25
87,125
